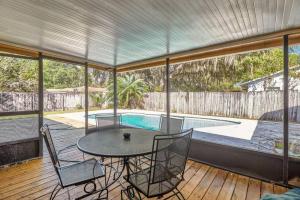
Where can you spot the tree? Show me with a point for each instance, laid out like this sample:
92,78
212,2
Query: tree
215,74
18,75
205,75
154,77
130,91
60,75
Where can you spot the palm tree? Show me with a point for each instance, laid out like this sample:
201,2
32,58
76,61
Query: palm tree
97,99
130,91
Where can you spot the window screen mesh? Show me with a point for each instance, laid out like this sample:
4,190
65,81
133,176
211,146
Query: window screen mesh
14,128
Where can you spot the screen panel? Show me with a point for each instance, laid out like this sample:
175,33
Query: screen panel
293,110
64,101
18,127
142,97
19,109
100,94
18,84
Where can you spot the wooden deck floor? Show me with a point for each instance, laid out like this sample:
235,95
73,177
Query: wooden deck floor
36,179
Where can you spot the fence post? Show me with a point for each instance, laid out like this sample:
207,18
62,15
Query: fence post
63,102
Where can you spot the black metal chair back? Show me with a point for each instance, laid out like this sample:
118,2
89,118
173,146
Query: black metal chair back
105,121
175,126
82,172
170,153
50,146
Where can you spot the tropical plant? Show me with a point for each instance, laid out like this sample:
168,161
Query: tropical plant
130,91
98,99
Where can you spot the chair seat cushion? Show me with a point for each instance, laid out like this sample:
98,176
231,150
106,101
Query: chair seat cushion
293,194
140,180
81,172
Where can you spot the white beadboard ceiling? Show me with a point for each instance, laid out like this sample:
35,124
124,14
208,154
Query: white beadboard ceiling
123,31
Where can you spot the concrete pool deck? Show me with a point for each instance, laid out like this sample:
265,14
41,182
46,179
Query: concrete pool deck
244,126
255,135
248,134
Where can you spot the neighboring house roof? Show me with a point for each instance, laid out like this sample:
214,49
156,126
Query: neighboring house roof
266,77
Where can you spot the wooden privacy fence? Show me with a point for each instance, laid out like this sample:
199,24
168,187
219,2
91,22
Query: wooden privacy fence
17,101
63,101
266,105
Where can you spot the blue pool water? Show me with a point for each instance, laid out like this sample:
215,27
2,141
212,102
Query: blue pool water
151,122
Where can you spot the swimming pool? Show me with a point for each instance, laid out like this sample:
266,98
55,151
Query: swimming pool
151,122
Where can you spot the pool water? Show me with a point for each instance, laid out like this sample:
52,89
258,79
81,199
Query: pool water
151,122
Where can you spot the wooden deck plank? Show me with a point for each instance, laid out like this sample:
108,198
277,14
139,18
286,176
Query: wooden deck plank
204,184
194,181
279,189
228,187
14,193
266,188
240,191
216,186
20,184
253,189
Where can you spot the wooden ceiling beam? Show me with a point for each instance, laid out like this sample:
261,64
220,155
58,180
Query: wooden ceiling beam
18,51
95,66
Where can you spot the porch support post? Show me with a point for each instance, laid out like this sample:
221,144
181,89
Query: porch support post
115,92
168,93
86,97
286,108
41,101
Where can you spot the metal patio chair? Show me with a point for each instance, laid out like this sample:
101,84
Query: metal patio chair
83,172
107,121
176,124
64,127
166,169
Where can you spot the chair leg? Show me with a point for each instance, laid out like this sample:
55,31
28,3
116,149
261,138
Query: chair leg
101,194
87,192
131,193
54,192
69,196
122,194
176,193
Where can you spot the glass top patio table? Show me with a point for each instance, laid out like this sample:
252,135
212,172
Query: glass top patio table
111,143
